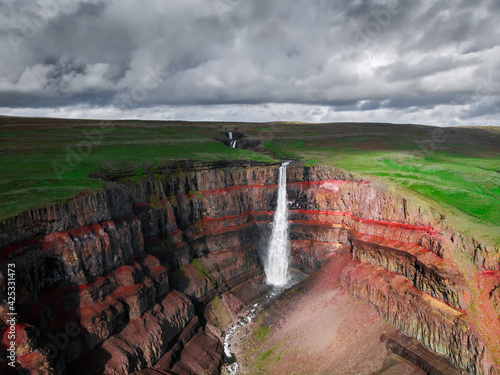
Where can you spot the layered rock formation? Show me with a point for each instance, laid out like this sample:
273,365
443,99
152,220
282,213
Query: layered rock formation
117,281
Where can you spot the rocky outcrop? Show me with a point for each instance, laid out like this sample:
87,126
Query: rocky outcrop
142,342
431,321
122,275
410,349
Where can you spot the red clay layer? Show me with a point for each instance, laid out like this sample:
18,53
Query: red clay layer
246,213
424,228
417,251
262,186
421,228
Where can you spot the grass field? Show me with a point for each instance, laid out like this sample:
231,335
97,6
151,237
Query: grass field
455,168
471,184
46,161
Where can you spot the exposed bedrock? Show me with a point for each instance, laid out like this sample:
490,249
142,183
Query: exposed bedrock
128,278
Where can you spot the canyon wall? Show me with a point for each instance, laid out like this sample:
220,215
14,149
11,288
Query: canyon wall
117,281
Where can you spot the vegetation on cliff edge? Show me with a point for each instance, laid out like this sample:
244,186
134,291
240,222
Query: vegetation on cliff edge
48,161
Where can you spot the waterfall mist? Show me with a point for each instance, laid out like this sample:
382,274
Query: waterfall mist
278,252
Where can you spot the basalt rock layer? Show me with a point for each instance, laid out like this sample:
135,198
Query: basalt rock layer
117,281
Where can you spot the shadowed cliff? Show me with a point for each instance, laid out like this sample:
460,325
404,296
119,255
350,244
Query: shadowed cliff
135,264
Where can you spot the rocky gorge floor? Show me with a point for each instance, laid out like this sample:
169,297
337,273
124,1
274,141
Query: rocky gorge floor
317,328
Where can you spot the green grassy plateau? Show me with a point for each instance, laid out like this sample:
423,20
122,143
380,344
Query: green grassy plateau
47,161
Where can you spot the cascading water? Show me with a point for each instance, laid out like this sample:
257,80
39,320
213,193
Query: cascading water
278,252
232,365
232,144
276,265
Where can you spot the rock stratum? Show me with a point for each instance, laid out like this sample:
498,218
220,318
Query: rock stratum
131,279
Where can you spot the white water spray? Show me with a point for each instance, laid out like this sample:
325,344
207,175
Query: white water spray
278,252
232,367
232,144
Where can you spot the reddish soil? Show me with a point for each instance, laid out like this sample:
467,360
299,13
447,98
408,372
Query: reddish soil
318,330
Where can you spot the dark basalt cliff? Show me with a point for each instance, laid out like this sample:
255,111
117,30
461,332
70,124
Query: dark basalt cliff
119,280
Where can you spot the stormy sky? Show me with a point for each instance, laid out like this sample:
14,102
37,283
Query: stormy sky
401,61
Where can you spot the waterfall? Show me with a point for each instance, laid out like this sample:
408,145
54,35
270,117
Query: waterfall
232,144
278,252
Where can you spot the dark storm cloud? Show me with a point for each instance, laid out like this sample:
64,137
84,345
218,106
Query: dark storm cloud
369,56
401,70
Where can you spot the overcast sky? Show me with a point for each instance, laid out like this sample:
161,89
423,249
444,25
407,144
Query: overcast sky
402,61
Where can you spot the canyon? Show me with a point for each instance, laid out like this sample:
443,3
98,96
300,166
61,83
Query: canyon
145,277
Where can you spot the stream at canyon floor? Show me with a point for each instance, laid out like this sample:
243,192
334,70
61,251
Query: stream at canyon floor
308,328
231,366
231,362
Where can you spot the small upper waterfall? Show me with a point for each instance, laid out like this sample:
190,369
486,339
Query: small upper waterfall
233,141
278,252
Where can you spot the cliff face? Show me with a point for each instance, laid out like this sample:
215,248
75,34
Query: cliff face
116,281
